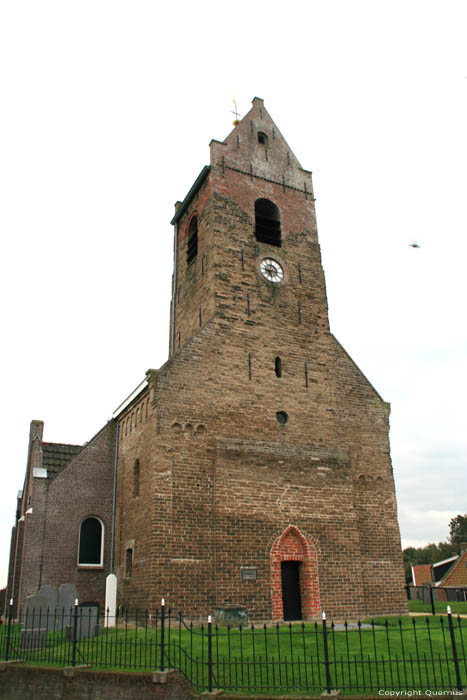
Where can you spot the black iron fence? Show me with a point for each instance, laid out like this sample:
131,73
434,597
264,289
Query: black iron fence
396,654
437,597
425,593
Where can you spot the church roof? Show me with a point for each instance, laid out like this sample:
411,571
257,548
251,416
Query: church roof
55,455
193,190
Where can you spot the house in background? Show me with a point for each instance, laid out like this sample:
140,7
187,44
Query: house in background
448,577
452,584
421,575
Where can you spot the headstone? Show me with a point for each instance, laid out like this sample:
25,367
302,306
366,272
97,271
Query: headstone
50,592
67,594
87,619
33,639
231,616
38,619
110,600
36,612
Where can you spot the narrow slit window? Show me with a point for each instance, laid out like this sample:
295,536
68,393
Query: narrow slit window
129,562
278,366
192,243
136,478
267,223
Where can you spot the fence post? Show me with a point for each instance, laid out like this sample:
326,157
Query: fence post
454,649
210,653
75,634
8,633
432,601
162,632
326,655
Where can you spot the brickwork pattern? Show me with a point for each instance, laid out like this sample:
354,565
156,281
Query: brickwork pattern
46,546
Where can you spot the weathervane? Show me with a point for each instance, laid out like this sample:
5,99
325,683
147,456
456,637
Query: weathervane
236,120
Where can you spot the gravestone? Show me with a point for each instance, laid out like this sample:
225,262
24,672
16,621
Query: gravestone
67,594
50,592
110,600
32,639
36,611
37,618
232,616
87,622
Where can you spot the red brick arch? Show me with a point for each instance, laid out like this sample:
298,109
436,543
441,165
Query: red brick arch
292,545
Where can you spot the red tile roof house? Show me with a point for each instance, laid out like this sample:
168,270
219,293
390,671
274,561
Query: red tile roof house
453,579
421,574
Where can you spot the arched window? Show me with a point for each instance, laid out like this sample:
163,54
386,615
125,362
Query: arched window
90,549
192,243
267,222
262,138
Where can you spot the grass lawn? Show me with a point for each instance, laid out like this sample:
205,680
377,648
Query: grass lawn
397,653
458,607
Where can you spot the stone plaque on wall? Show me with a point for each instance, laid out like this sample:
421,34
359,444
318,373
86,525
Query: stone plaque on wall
249,573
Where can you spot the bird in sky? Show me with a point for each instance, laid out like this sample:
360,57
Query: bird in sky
414,244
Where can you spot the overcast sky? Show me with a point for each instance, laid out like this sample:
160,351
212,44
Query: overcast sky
107,110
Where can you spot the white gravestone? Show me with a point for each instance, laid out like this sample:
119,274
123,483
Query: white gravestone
110,600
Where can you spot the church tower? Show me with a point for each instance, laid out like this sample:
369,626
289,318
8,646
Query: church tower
254,467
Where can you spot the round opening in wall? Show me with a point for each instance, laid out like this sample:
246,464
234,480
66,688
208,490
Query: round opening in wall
282,417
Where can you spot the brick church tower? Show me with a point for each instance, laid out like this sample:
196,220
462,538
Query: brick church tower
254,466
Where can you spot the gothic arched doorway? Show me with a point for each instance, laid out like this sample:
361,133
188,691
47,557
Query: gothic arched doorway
294,577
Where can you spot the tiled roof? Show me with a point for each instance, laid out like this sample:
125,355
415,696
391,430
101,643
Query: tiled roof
55,456
456,575
441,568
421,574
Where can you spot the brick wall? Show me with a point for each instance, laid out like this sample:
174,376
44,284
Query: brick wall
57,506
16,682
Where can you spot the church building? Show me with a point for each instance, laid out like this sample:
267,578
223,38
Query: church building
253,468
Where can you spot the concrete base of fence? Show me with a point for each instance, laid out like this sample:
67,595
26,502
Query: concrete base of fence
162,676
70,671
16,681
5,664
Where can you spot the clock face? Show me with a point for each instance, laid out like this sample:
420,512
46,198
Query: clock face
271,270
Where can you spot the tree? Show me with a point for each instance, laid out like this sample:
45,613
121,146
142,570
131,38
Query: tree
458,529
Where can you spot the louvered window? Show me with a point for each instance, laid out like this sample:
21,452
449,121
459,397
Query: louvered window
267,223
